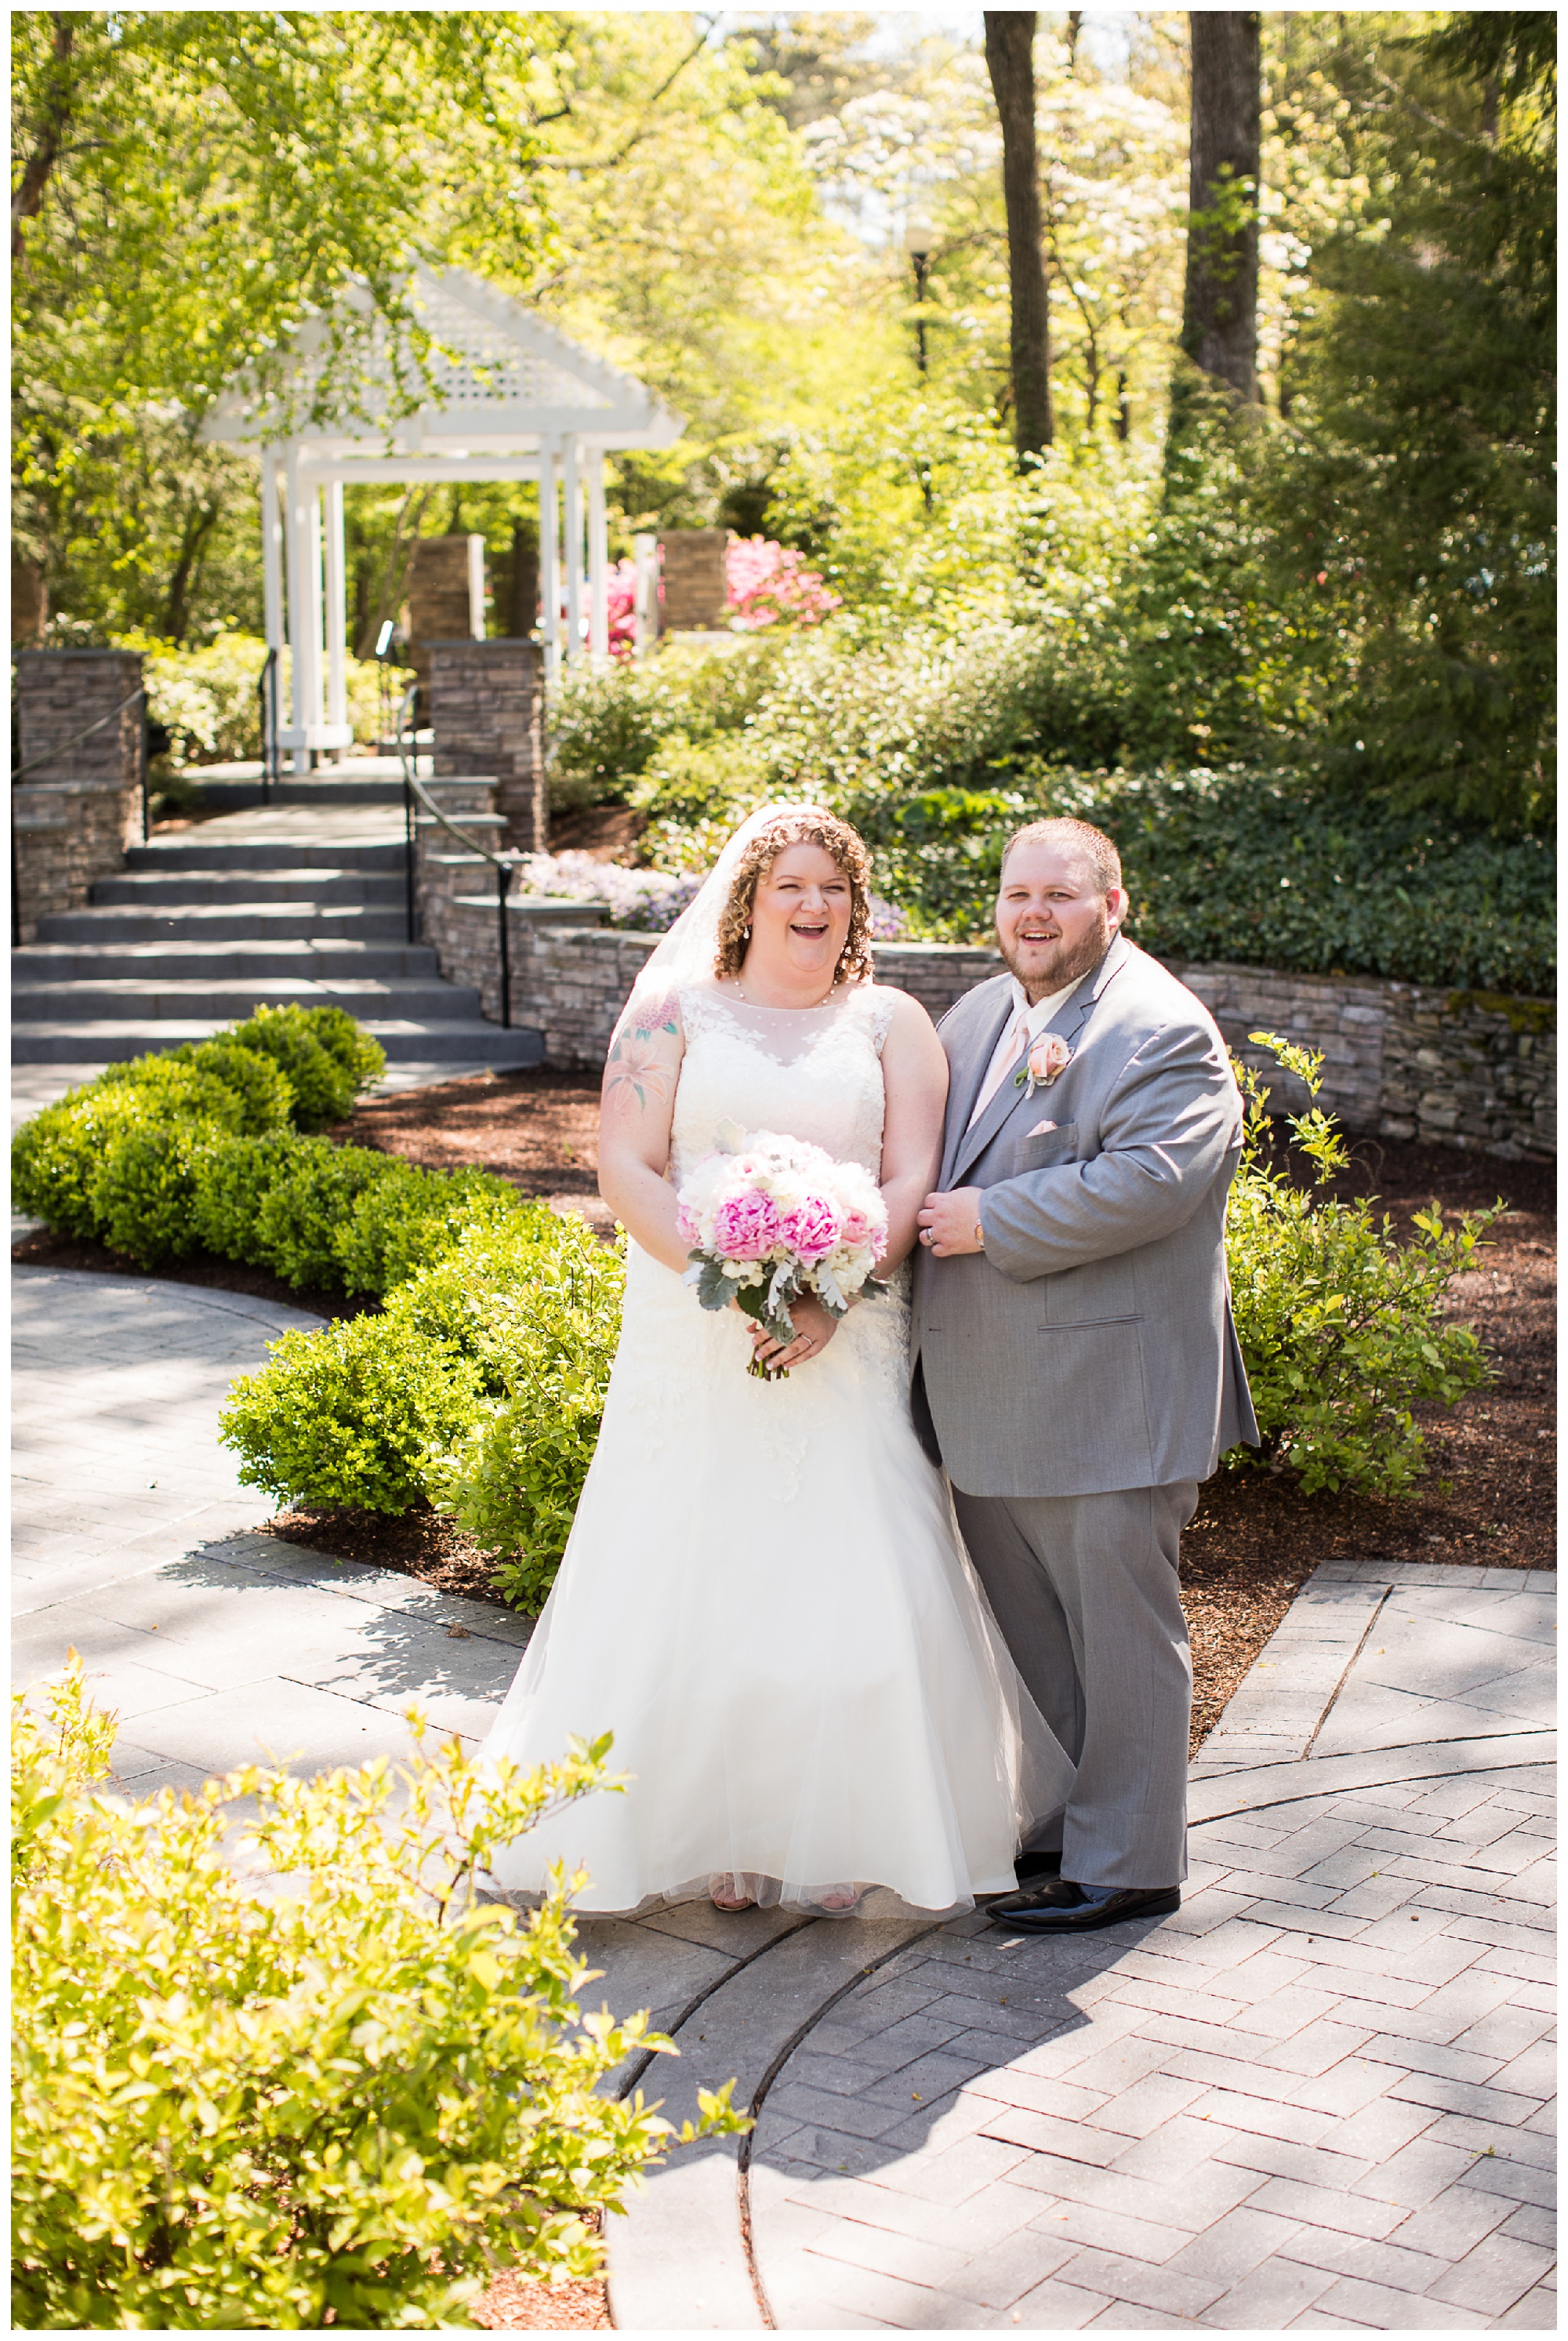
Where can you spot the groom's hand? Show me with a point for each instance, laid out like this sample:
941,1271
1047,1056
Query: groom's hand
950,1224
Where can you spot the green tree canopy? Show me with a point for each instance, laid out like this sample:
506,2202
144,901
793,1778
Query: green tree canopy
188,187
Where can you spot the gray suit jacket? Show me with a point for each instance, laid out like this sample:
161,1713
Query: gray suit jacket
1091,1345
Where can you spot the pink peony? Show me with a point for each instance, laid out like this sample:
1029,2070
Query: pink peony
746,1226
811,1230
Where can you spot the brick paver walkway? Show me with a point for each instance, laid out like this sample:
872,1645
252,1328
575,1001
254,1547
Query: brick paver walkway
1318,2096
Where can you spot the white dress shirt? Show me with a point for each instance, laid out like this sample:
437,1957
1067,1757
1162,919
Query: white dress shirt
1018,1037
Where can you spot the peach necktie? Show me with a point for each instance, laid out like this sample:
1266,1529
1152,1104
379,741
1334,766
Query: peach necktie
1002,1066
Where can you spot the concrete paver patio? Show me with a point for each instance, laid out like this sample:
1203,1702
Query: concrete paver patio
1316,2096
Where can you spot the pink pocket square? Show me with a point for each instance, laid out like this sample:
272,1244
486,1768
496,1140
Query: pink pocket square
1040,1129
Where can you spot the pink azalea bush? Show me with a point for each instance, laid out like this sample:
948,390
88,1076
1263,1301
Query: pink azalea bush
768,584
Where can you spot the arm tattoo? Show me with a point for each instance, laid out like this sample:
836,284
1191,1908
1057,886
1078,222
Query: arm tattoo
637,1063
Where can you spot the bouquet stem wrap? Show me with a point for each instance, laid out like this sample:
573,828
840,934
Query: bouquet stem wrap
770,1219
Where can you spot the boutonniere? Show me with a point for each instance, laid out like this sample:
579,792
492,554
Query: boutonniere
1049,1056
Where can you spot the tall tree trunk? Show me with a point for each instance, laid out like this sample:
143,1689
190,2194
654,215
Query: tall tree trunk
1010,55
1219,311
387,596
28,200
200,523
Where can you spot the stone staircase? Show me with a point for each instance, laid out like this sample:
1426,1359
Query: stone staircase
301,900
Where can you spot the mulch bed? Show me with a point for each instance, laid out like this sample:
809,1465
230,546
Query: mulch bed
513,2305
43,1249
538,1127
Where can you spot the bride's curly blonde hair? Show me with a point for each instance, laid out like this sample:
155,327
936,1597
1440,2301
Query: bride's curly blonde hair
809,826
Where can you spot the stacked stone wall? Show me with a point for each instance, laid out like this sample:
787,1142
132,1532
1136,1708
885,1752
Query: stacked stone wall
1400,1060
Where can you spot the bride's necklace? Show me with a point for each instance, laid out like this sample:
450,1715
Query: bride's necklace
827,995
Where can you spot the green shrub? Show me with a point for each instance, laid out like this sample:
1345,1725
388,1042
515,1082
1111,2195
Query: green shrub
1341,1326
264,1089
308,1045
144,1191
112,1151
361,1057
232,1178
1241,866
695,794
342,2092
172,1087
507,1334
343,1416
606,724
55,1154
399,1223
936,743
514,1475
303,1212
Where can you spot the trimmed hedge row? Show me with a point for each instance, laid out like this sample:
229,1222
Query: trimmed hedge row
481,1382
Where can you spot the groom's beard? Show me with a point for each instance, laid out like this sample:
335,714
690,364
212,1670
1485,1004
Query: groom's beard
1051,968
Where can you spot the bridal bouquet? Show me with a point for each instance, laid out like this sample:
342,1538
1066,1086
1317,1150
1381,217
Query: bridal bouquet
770,1219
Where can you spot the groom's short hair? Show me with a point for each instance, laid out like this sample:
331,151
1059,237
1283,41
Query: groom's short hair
1093,844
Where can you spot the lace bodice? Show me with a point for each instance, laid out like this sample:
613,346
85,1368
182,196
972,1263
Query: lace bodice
812,1073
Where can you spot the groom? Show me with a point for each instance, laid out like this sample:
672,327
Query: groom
1076,1363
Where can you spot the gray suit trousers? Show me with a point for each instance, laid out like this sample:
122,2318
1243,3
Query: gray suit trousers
1084,1590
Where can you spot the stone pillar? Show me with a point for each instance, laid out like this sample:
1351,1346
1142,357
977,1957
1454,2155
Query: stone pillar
76,804
59,694
695,588
486,713
438,601
524,584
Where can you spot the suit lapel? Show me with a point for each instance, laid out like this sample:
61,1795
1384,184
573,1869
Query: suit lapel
961,1100
1009,1097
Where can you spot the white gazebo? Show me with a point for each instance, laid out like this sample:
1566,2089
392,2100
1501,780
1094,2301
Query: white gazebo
510,398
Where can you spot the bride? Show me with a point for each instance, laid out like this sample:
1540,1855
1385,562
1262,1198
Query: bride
764,1597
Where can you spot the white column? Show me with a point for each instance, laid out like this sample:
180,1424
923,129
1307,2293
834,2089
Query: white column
549,559
476,587
315,696
297,554
645,613
598,560
574,550
272,549
336,610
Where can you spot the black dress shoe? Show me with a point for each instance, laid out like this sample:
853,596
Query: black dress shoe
1030,1867
1061,1907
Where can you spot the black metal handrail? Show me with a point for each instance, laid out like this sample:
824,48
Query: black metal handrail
267,693
415,791
86,733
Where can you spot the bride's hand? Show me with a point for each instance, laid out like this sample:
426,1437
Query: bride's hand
814,1328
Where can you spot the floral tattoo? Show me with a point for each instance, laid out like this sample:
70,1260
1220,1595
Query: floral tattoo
636,1062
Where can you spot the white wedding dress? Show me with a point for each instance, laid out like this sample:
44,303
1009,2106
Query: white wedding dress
765,1598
